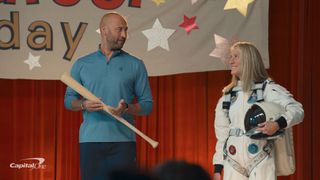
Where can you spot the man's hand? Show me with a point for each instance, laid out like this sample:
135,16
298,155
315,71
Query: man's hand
122,106
91,105
216,176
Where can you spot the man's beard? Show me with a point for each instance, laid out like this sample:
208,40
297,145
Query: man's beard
117,45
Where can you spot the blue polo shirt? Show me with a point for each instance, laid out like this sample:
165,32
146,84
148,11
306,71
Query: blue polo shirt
122,77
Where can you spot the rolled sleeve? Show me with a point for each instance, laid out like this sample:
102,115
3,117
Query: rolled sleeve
143,91
71,94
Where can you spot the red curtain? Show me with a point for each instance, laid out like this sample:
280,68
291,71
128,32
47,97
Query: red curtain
34,122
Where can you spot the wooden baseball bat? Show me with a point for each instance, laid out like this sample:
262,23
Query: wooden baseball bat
69,81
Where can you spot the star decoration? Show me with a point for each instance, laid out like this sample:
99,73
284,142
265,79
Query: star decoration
158,36
98,31
222,49
193,1
189,23
32,61
158,2
241,5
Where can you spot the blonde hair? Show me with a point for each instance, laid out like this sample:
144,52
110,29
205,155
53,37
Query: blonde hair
253,69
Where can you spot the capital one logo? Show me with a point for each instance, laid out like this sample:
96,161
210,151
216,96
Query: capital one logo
29,163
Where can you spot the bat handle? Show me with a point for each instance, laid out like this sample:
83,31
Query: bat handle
152,142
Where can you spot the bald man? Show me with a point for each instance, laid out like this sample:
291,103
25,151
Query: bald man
117,78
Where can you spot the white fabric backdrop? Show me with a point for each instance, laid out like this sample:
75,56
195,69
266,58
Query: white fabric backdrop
156,34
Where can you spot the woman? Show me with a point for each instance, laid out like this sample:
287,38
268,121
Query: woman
240,156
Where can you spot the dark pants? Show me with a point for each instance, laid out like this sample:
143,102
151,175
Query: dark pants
98,159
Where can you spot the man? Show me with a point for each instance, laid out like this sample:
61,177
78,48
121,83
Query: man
117,78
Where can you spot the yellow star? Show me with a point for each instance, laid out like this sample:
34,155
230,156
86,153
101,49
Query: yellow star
241,5
158,2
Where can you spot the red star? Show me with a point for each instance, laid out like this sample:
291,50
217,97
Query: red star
189,23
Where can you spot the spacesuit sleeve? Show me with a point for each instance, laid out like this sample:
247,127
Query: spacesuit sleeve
221,125
294,112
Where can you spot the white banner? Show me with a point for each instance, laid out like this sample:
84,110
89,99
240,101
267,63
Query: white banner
42,39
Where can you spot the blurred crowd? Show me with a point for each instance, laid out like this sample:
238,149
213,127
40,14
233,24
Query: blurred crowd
169,170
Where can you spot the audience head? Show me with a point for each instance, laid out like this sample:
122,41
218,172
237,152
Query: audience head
129,174
180,170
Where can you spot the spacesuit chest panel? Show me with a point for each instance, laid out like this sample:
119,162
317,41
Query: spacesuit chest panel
239,102
238,110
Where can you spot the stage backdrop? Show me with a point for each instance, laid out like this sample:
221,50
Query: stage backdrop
42,39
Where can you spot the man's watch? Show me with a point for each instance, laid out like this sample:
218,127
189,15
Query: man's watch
82,106
127,107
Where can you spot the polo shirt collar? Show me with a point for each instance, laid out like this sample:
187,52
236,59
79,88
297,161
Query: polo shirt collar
115,53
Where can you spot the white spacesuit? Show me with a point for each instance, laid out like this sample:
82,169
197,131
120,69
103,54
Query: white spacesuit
242,157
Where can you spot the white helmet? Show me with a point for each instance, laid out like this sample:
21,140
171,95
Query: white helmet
259,113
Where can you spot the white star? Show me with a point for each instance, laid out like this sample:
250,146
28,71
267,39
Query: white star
193,1
222,49
158,36
98,31
32,61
